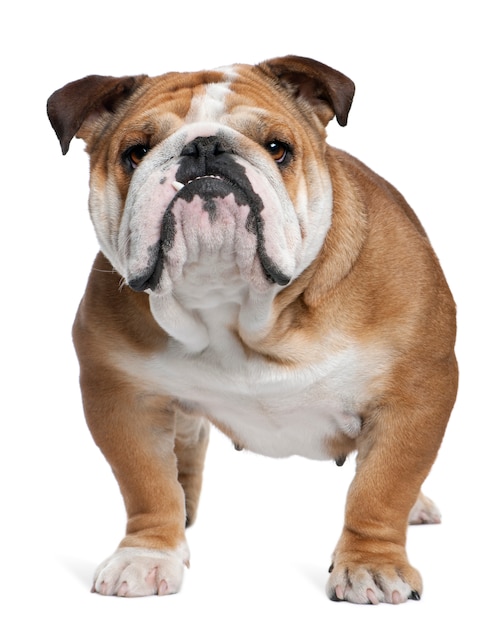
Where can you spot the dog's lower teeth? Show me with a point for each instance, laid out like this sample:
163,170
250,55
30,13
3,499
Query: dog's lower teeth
177,185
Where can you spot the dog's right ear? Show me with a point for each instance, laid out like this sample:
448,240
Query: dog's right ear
91,97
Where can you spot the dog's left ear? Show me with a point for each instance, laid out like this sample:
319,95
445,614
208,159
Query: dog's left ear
328,91
92,97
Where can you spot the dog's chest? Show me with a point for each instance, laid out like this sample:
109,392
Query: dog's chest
273,409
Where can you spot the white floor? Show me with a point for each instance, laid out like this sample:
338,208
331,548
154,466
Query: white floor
260,548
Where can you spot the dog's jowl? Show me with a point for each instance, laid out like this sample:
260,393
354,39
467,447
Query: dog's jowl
254,277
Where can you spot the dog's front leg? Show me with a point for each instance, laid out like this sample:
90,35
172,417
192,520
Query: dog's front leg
136,432
395,453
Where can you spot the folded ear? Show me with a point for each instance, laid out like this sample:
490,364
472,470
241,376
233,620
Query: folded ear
328,91
69,107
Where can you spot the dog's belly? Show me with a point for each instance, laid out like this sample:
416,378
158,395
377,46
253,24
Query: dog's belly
271,409
283,424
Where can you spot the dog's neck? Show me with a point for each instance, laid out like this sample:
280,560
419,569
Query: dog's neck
198,311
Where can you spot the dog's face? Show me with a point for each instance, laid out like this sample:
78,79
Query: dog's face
211,183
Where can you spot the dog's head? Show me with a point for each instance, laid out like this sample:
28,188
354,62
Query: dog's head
209,181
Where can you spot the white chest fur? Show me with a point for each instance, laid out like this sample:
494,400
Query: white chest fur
273,409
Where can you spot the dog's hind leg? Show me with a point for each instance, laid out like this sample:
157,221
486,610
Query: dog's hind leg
192,437
424,511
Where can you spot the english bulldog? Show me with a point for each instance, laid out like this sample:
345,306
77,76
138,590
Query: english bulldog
253,277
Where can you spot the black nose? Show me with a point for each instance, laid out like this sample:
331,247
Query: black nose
205,156
204,147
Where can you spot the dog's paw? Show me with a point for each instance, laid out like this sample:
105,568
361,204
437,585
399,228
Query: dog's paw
424,511
132,572
372,584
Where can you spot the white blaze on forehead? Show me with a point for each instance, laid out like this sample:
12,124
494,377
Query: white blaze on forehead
209,106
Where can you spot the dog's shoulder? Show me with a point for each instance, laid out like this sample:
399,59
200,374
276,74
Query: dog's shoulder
350,174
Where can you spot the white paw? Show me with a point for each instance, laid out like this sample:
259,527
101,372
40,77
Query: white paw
424,512
131,572
364,585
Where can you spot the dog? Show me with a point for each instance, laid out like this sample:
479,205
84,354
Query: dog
253,277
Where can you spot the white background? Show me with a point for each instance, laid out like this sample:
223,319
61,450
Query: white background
424,117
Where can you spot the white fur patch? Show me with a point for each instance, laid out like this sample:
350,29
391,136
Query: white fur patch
273,409
135,572
424,511
363,585
209,105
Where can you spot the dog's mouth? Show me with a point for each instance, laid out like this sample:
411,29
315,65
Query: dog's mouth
215,210
178,186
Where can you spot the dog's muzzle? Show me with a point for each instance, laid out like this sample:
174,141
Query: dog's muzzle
210,176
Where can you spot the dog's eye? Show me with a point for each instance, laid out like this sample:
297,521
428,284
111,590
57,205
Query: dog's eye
134,155
278,150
